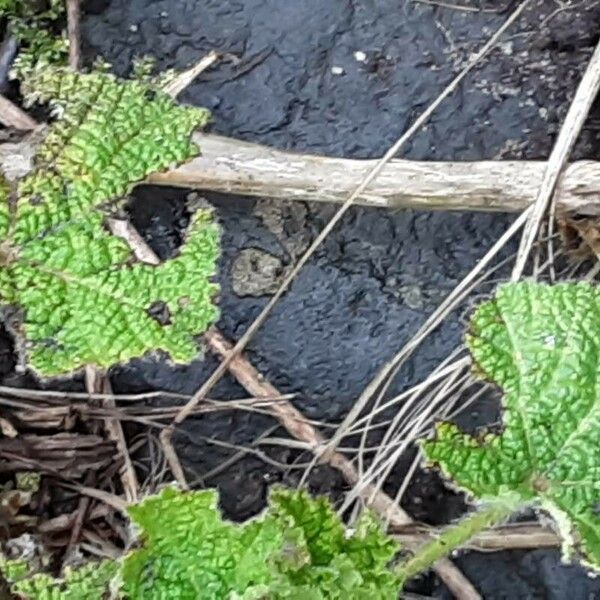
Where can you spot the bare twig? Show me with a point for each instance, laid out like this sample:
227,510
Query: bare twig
243,168
110,499
183,79
127,232
569,132
13,116
73,22
65,521
96,381
80,514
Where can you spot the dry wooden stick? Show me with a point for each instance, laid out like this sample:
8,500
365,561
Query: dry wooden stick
73,25
233,166
298,427
183,79
65,521
82,509
13,116
98,382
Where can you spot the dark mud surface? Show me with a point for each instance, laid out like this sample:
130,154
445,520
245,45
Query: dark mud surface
297,82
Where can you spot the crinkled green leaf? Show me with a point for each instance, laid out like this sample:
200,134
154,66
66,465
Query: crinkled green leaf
297,549
35,26
84,299
541,344
90,582
189,552
322,559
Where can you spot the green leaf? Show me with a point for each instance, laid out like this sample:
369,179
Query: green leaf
34,24
83,297
322,559
541,344
297,549
90,582
189,552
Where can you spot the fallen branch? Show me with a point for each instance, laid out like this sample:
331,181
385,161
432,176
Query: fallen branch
237,167
13,116
233,166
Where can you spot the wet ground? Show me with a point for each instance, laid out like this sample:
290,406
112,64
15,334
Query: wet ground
345,78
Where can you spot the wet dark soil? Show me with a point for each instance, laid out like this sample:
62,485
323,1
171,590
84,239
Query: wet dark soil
345,78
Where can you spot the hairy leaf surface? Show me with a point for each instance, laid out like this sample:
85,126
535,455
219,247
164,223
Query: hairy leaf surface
81,295
89,582
297,549
541,344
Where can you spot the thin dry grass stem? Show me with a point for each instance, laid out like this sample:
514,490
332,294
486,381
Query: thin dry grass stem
445,397
58,397
97,381
13,116
112,500
441,371
410,407
65,521
362,424
416,462
185,78
224,465
569,132
297,426
551,239
451,6
73,33
386,373
384,463
158,469
194,438
593,272
100,546
420,422
407,437
371,176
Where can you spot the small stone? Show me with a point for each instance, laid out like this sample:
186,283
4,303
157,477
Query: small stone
256,273
133,28
360,56
412,296
337,70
